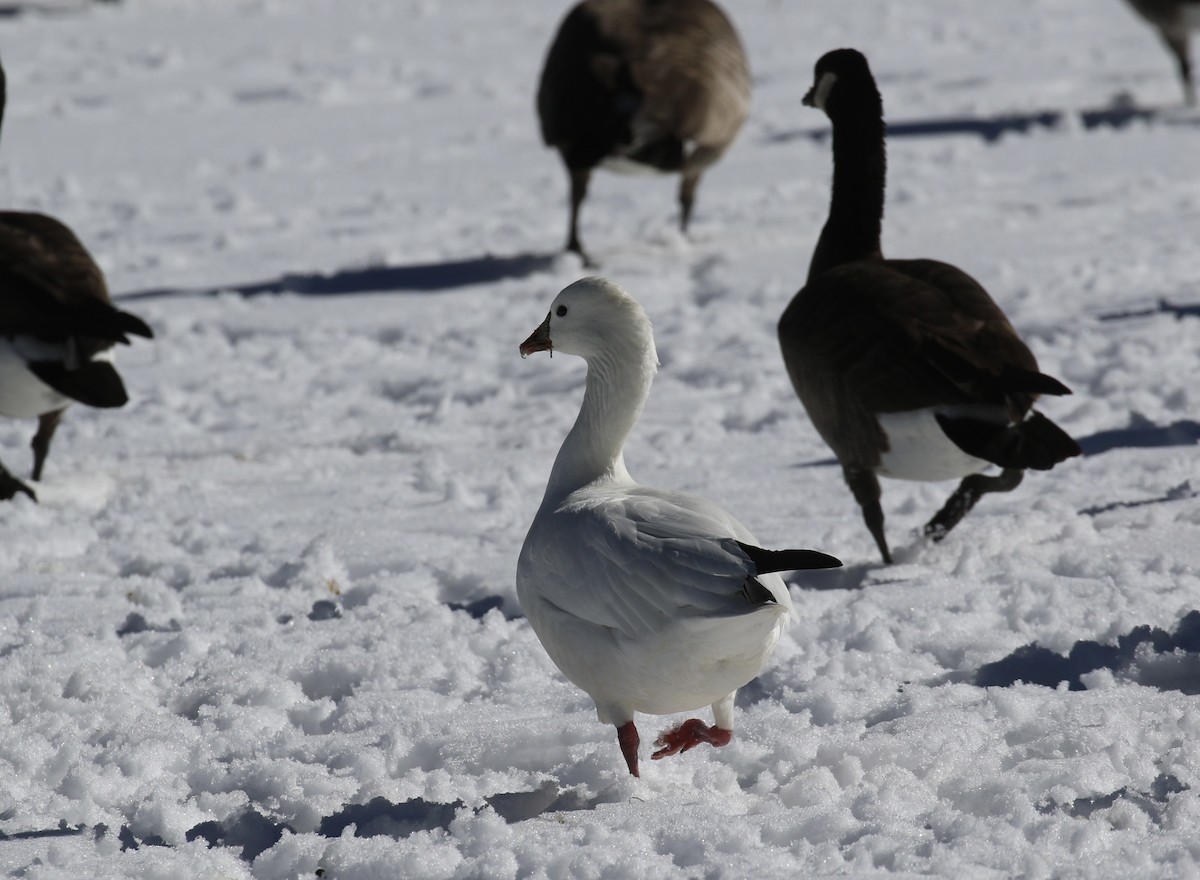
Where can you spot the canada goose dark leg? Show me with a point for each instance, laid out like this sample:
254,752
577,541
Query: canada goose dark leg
1178,44
47,425
965,496
687,198
865,486
579,188
10,486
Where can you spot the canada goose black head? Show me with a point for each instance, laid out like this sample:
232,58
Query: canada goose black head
842,83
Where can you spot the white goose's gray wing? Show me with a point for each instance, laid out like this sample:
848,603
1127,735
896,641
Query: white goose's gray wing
635,559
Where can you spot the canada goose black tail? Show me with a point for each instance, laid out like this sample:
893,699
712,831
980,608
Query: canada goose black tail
1036,442
112,324
767,561
95,319
1010,380
130,325
95,383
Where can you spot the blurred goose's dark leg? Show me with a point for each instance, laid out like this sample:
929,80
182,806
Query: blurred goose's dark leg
579,188
47,425
1178,44
865,486
965,496
687,197
697,161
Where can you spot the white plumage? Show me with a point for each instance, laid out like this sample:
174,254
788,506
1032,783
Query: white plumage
649,600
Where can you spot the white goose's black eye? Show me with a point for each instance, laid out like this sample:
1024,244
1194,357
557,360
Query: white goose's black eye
560,311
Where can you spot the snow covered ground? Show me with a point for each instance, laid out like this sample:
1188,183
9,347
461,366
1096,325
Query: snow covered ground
263,623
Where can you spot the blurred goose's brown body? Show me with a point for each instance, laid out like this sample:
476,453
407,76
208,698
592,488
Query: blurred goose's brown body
661,84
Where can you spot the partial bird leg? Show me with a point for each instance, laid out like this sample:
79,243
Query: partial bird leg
627,737
865,486
1177,42
47,425
10,486
687,197
965,496
690,734
579,188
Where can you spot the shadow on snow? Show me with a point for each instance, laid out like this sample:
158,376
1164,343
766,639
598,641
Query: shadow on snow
1120,113
1148,655
421,277
253,833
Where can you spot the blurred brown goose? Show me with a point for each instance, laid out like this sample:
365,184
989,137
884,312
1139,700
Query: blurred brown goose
907,368
1173,19
657,84
57,328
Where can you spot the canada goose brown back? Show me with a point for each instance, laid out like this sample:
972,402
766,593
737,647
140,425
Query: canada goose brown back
661,84
57,323
1174,19
907,368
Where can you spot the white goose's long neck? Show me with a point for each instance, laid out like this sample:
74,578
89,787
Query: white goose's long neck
618,383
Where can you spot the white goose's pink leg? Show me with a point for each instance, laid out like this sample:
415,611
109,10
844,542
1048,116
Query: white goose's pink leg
627,736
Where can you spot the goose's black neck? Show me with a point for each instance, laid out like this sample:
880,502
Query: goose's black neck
852,231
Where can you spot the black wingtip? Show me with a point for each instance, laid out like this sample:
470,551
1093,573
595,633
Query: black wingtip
134,325
766,561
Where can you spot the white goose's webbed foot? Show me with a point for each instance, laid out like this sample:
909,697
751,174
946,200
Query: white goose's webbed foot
688,735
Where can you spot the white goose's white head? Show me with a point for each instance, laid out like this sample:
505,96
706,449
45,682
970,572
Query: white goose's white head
596,320
600,322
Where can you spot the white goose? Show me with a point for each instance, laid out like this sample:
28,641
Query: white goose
649,600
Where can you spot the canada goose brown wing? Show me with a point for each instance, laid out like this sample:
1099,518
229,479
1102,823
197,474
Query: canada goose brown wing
50,286
859,329
970,339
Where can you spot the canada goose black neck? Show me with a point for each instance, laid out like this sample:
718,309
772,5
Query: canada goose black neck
855,108
3,95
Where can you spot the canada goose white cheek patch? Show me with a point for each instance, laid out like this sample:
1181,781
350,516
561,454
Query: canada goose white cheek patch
824,87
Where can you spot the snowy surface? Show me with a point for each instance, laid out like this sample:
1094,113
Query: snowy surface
263,621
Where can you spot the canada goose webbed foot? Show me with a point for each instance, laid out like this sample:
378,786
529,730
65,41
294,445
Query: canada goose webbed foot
10,486
586,259
968,492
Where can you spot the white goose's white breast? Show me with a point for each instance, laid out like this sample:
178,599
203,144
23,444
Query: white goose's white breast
920,450
22,394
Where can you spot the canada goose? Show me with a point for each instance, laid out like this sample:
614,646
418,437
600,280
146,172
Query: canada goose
650,600
1174,19
657,84
907,368
57,328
